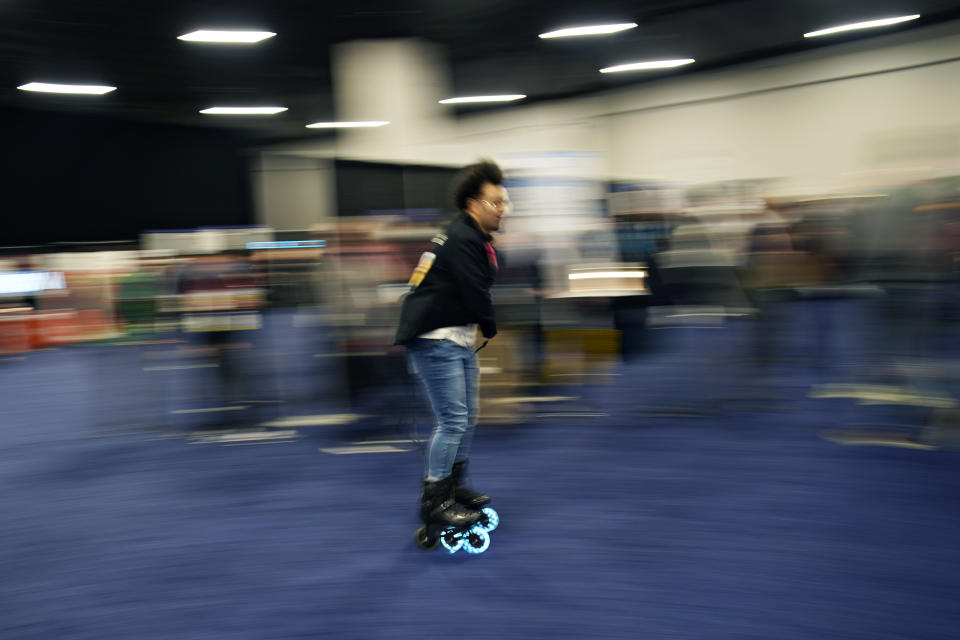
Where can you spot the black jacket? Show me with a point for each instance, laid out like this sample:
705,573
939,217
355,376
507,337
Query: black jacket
456,288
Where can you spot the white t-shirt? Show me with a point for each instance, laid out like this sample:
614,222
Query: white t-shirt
465,336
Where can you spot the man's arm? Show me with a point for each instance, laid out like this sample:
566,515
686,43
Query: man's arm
471,272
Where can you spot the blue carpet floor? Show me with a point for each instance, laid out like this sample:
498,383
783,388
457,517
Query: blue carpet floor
741,524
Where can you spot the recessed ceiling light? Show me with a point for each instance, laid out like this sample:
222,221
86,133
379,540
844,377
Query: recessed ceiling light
347,125
466,99
226,36
243,111
869,24
652,64
83,89
594,30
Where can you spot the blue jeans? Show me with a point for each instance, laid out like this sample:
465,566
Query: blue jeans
449,376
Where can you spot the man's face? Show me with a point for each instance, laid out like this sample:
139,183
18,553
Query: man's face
489,206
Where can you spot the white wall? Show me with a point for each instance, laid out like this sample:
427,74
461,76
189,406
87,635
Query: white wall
838,120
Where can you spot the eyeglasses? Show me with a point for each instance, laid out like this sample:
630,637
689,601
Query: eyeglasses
497,204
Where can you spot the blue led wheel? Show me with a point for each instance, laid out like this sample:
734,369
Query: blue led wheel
476,540
451,539
490,519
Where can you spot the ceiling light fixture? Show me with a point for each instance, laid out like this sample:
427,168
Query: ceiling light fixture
595,30
869,24
645,66
79,89
468,99
242,111
347,125
226,36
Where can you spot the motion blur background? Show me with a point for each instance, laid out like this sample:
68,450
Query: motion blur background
723,402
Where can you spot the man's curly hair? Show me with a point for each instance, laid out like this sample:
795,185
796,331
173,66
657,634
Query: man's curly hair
469,182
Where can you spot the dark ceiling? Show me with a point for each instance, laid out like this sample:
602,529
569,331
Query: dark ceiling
492,47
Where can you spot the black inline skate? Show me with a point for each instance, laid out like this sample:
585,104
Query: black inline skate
450,524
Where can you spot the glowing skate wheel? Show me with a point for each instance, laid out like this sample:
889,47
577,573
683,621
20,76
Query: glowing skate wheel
492,518
451,540
476,540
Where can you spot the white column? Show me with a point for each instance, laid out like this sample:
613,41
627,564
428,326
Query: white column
292,193
400,81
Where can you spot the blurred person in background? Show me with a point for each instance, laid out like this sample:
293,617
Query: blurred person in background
450,299
218,297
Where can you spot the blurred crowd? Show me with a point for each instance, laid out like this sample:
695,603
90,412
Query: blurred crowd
877,268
